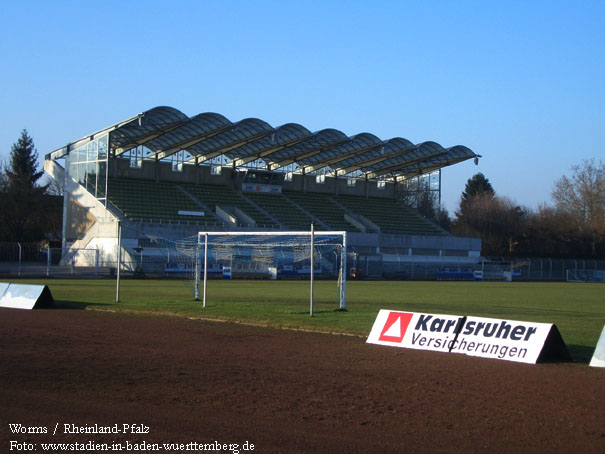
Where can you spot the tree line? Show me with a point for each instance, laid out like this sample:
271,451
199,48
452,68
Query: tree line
573,227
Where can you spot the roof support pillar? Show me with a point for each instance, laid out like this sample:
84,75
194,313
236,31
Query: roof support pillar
111,158
156,168
233,175
198,170
439,207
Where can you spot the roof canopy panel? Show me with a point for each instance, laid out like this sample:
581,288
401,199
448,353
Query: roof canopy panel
164,130
403,159
197,129
241,133
355,146
392,147
281,137
152,123
319,142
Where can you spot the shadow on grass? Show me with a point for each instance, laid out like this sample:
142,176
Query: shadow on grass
580,353
75,305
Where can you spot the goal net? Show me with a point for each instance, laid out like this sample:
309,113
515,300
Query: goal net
494,271
595,276
271,255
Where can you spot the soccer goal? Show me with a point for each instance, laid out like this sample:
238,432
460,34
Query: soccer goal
494,271
272,255
592,276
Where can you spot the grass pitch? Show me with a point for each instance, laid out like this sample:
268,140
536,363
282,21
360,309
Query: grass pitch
578,310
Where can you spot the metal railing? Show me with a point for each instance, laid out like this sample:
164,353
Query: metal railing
402,267
36,260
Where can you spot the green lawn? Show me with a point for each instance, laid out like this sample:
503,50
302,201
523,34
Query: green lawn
577,309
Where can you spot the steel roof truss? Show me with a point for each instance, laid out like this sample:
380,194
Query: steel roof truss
188,143
307,154
373,173
267,152
227,148
142,141
340,158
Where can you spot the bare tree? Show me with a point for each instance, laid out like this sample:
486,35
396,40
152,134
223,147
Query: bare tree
54,188
553,233
582,196
497,220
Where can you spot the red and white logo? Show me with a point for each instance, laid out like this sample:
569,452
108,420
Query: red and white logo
395,327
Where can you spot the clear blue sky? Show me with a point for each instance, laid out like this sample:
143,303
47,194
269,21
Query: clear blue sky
519,82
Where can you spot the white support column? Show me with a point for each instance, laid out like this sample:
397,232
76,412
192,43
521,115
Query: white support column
197,270
119,262
205,267
20,255
48,261
343,280
312,268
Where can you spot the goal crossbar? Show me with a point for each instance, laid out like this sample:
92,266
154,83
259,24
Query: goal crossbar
314,239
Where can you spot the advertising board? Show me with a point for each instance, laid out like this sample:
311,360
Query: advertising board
25,296
598,357
526,342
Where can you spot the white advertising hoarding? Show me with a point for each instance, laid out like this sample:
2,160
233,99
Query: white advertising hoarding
598,357
24,296
510,340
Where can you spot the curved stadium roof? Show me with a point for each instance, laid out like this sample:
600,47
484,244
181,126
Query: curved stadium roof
166,130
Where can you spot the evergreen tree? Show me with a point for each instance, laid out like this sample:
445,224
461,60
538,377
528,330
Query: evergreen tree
23,163
477,185
23,215
3,178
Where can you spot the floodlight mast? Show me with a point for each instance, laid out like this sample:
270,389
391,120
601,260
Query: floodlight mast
312,234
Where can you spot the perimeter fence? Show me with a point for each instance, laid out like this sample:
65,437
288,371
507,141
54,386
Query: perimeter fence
35,260
490,268
32,260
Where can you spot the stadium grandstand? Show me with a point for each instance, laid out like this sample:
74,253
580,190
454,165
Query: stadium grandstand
164,175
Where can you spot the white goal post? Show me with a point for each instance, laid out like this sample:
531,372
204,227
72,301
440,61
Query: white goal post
494,271
271,254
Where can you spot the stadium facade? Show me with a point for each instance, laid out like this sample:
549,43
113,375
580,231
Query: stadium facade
163,175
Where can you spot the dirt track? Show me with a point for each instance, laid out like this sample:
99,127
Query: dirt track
192,381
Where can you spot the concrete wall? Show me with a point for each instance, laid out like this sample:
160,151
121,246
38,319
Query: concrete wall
411,245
